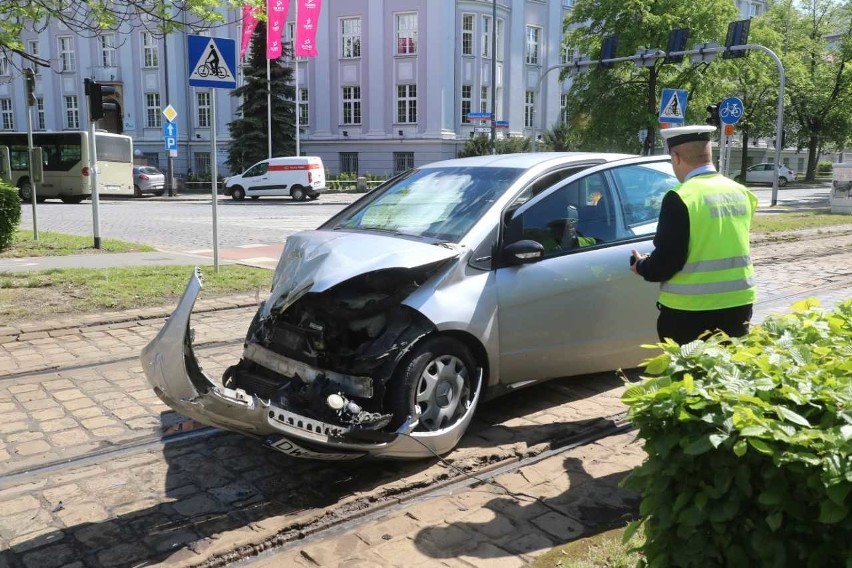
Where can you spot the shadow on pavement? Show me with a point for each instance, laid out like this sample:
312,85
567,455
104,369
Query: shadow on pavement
526,523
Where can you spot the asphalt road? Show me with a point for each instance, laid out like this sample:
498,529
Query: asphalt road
185,225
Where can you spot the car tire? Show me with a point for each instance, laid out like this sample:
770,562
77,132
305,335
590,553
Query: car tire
137,191
25,190
72,199
437,376
238,193
782,181
159,193
255,197
314,196
298,193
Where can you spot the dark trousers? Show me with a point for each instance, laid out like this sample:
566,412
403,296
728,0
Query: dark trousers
684,326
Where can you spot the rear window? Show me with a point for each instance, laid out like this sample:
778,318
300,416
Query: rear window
148,170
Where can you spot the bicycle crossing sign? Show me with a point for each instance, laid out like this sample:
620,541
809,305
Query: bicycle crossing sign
673,106
731,110
212,61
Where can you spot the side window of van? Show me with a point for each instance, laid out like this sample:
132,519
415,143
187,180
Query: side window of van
257,170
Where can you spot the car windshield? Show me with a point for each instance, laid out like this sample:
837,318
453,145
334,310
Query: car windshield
148,170
438,203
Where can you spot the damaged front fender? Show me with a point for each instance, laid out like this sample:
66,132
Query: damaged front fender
177,378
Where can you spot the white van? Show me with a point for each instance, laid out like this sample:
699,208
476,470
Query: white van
300,177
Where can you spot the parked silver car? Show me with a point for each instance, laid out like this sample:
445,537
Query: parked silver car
763,173
148,179
450,284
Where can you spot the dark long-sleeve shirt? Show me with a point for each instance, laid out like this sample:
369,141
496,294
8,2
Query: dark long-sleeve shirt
671,243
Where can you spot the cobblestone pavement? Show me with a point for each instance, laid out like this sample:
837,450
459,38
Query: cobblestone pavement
73,388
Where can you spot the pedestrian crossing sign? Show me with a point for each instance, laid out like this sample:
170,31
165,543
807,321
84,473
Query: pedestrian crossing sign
673,106
212,62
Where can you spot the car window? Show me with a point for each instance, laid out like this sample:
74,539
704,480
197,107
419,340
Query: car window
438,203
642,188
257,170
547,180
150,170
574,216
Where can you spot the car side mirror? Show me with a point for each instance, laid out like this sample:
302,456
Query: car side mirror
523,252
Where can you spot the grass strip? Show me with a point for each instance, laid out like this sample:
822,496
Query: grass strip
60,244
602,550
781,221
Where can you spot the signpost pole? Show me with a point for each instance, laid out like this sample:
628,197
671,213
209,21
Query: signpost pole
33,184
214,173
93,173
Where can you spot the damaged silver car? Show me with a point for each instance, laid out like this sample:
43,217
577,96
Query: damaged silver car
450,284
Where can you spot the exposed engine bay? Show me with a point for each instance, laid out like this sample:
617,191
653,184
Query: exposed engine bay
330,355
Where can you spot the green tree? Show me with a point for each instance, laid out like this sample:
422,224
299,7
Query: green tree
614,104
562,137
91,18
817,56
249,133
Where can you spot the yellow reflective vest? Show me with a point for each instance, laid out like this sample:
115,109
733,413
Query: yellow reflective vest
718,273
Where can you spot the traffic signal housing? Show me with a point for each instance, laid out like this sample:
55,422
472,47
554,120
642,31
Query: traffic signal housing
713,115
29,77
96,92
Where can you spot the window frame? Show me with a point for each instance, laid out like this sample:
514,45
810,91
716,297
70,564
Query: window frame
203,116
4,64
532,45
484,100
72,112
406,103
153,115
350,105
466,103
41,117
150,51
529,109
485,36
67,57
304,107
405,36
350,41
7,114
33,49
347,159
467,33
399,157
106,47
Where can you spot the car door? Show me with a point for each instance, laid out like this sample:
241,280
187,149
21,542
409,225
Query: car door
579,309
256,179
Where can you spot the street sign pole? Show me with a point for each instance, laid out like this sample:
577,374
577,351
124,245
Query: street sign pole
93,173
33,184
215,174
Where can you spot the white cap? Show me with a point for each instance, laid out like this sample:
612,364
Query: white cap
682,134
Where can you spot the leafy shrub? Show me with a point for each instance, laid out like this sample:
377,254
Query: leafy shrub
824,167
10,213
749,446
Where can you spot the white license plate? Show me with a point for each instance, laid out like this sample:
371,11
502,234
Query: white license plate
293,449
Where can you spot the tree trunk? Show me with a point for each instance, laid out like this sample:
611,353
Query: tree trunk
651,140
744,162
813,144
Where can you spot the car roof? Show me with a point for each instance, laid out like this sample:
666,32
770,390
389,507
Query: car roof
527,160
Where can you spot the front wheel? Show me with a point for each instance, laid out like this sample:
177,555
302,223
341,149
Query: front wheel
72,199
25,191
298,194
782,181
137,191
434,383
314,196
238,194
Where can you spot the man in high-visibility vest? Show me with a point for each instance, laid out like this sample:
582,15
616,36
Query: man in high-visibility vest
701,251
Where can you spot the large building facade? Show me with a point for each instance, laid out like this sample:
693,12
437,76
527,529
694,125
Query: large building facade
392,87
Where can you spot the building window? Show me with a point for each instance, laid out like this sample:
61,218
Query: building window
67,60
406,103
153,158
32,49
202,163
486,36
466,97
500,39
402,161
150,51
72,113
303,107
152,110
351,105
202,107
406,34
7,117
106,42
483,99
467,34
533,54
563,107
529,107
349,162
4,63
350,33
40,121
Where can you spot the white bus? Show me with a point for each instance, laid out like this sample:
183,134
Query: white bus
66,164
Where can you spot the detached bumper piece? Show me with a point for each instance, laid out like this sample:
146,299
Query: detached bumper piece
176,376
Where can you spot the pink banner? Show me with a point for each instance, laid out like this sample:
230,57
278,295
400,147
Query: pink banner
249,23
276,12
307,19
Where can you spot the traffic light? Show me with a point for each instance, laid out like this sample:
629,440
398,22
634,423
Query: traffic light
713,115
29,77
737,35
96,92
608,49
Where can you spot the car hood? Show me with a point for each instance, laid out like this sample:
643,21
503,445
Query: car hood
314,261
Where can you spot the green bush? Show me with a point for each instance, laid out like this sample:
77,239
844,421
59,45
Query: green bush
10,213
824,167
749,446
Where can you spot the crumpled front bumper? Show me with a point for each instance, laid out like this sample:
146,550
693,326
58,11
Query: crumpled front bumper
173,371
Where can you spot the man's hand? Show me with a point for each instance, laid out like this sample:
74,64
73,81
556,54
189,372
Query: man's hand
635,257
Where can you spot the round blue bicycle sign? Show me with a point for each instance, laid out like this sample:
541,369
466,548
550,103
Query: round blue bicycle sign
731,110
